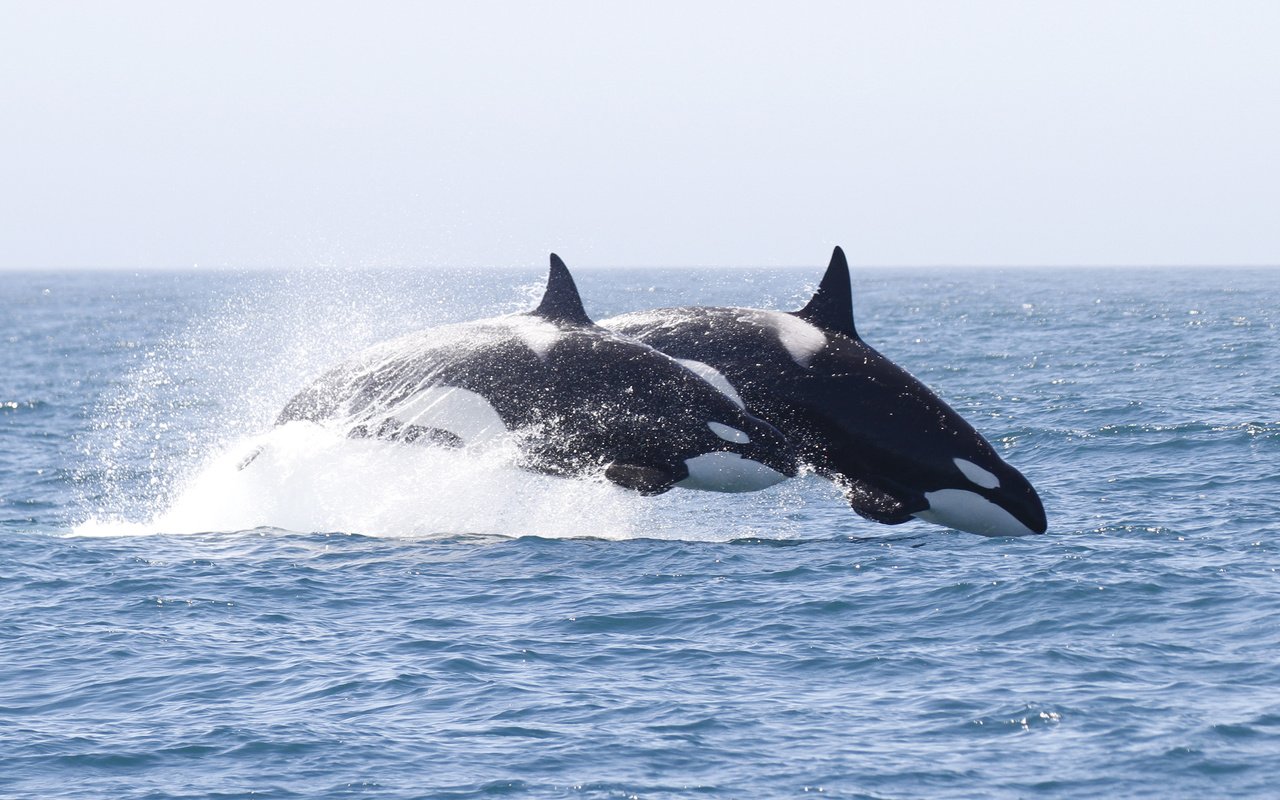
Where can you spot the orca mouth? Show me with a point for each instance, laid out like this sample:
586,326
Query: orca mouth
780,461
751,441
969,511
1014,510
772,449
1026,507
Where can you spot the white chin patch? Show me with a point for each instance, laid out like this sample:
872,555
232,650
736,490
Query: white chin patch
976,473
728,472
966,511
714,377
461,412
729,433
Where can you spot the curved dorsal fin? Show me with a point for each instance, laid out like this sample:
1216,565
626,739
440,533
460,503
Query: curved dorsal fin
831,307
561,303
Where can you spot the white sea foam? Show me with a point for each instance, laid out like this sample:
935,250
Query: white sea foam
305,477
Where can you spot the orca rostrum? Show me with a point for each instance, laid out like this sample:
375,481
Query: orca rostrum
894,447
575,398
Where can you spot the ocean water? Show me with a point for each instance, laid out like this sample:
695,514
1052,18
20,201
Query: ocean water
385,623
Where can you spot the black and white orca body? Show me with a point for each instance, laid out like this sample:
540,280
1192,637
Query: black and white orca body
576,399
893,446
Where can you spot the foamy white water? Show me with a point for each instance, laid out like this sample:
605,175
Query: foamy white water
306,477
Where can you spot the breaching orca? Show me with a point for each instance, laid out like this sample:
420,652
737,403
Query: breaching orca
893,446
576,398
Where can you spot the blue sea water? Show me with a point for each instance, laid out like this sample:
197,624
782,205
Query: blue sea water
406,626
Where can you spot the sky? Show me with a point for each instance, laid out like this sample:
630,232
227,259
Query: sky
255,134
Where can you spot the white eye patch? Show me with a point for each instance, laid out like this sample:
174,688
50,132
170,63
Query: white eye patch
977,474
728,434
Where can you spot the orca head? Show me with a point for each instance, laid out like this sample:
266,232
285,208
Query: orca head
991,500
740,454
897,449
684,432
652,423
943,472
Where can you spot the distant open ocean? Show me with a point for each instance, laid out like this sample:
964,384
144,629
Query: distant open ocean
421,626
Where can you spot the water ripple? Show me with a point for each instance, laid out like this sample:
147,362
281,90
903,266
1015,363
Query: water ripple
764,646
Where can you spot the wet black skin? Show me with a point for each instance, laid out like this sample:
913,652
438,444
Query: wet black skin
854,415
598,401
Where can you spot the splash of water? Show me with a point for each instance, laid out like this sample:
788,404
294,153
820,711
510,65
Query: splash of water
171,439
222,363
305,477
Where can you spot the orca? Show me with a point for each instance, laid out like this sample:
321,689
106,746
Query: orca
894,447
575,399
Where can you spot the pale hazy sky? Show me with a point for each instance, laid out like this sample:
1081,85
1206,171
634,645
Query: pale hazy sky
468,134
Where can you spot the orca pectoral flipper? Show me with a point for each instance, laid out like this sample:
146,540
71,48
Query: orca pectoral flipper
645,480
872,503
249,459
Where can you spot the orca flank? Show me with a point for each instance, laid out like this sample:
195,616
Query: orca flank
895,448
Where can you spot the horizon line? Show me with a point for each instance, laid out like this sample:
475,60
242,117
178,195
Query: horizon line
441,267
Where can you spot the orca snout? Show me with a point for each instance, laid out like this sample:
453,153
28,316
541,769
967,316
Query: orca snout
770,447
991,500
1022,501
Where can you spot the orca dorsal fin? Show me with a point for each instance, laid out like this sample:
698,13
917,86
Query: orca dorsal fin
831,307
561,302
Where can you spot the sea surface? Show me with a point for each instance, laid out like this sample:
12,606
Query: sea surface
401,623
